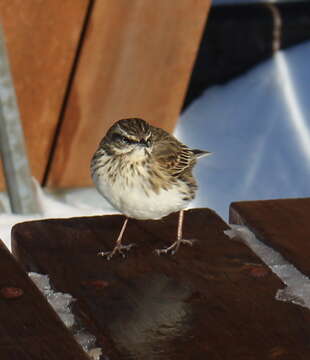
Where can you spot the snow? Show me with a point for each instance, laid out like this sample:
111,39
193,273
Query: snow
257,127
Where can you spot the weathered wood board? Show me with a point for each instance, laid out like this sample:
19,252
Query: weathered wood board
42,38
29,327
283,224
215,300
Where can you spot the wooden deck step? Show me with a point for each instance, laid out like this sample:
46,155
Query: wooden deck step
215,300
283,224
29,327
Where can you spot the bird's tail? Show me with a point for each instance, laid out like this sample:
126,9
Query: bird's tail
201,153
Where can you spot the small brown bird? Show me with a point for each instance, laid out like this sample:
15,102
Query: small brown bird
145,173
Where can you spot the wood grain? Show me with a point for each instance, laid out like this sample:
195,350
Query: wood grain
136,61
215,300
29,328
41,37
282,224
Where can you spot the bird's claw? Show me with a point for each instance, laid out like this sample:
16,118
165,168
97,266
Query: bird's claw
175,246
117,249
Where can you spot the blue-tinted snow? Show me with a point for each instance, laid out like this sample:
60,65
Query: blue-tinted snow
258,127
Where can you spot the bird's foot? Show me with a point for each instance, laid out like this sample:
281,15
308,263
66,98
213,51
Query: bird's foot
120,248
175,246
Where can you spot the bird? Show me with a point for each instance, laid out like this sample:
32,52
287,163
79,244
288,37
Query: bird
145,173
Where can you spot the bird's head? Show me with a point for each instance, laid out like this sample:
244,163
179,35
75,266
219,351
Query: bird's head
129,136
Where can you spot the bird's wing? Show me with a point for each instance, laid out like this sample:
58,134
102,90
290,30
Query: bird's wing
171,154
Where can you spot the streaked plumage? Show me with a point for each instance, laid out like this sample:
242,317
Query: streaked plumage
144,172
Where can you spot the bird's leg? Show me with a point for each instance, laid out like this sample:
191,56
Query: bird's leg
119,247
175,246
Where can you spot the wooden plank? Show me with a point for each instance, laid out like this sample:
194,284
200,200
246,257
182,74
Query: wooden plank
215,300
282,224
136,61
29,327
42,38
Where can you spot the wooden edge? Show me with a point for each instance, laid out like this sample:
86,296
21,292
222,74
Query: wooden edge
31,301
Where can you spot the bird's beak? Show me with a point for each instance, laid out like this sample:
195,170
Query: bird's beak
145,143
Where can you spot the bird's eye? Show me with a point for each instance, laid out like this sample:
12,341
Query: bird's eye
128,141
123,139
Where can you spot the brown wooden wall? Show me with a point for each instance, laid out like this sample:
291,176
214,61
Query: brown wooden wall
80,65
42,38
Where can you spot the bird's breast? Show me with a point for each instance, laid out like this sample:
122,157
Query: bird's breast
138,192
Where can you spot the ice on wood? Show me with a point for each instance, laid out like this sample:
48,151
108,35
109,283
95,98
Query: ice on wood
297,284
85,339
61,303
